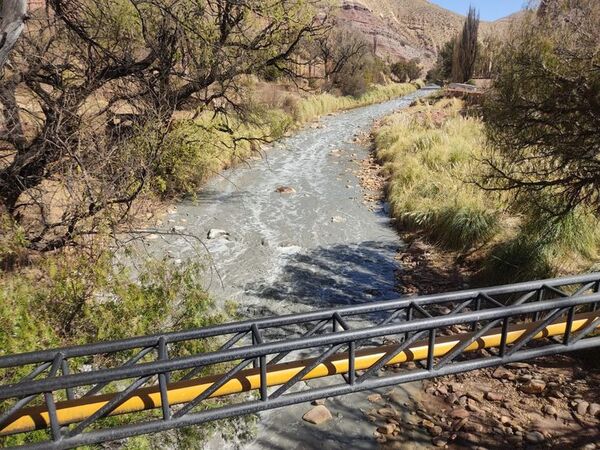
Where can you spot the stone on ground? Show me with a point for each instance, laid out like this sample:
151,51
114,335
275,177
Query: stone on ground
535,437
534,387
375,398
318,415
460,413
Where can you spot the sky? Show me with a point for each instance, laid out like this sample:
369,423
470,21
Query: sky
489,9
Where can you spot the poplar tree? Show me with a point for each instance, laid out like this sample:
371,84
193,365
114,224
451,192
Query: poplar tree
465,49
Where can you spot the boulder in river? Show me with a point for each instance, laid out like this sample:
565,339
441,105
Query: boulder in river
285,190
215,233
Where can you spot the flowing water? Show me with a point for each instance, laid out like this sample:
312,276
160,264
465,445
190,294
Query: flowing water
318,247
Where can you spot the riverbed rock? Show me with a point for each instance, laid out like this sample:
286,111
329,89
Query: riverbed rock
582,407
503,374
459,424
475,395
375,398
285,190
439,441
387,412
494,396
473,427
594,410
318,415
460,413
427,424
519,365
215,233
388,428
534,437
533,387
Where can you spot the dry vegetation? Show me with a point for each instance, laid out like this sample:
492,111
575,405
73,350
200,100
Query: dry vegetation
432,155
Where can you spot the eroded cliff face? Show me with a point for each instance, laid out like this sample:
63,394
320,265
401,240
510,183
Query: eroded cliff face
407,28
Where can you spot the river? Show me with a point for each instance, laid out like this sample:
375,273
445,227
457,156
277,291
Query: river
318,247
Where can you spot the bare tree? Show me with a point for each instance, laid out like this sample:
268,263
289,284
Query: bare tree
13,14
99,83
341,50
543,115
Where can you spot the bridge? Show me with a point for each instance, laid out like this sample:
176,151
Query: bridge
63,398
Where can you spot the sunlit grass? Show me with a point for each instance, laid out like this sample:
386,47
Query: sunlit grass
313,107
432,155
429,163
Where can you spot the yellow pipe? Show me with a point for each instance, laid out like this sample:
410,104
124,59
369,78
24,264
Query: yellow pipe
73,411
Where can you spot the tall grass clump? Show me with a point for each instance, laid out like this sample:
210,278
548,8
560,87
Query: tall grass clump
311,108
546,247
429,154
433,154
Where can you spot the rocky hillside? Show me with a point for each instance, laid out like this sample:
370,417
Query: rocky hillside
407,28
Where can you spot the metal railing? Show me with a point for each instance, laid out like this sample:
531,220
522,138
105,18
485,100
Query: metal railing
192,377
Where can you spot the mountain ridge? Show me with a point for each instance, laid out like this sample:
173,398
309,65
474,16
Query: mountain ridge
409,28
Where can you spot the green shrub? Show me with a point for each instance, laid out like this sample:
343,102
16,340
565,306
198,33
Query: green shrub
353,85
407,70
72,300
13,243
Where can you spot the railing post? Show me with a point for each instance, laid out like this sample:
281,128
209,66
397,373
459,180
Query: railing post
262,364
51,407
163,380
409,316
65,371
352,363
256,362
477,308
569,325
49,399
540,298
504,337
431,349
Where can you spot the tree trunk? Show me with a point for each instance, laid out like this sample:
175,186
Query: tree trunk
14,14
